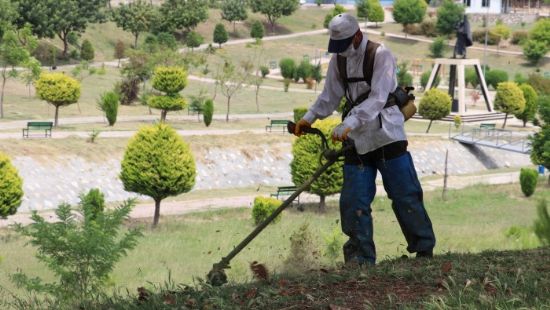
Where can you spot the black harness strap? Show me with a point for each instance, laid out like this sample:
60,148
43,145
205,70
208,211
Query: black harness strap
368,69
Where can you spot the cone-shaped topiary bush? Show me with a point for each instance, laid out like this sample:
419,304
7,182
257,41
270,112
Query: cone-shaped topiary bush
528,180
11,187
306,151
158,163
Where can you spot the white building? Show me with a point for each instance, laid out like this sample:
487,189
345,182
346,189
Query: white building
485,6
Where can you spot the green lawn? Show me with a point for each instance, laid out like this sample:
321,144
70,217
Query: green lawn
471,220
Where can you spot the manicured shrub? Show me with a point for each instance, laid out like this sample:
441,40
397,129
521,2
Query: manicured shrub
438,47
108,103
193,40
408,12
87,51
306,151
220,34
264,70
167,40
263,208
448,16
158,163
531,104
11,187
457,120
169,80
305,70
288,67
404,78
299,114
495,77
542,223
257,30
338,9
470,77
528,180
541,31
425,77
539,83
509,99
208,112
58,90
519,37
434,105
534,50
427,27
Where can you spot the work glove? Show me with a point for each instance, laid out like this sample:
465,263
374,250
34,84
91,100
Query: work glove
300,125
340,133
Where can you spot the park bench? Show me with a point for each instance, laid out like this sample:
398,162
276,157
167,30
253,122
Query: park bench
277,123
284,191
46,126
487,126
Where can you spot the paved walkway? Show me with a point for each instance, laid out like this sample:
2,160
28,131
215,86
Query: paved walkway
145,210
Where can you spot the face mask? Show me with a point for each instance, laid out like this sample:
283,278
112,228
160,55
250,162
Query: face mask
348,52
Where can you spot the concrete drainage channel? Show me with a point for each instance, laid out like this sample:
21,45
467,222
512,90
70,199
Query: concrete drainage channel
50,182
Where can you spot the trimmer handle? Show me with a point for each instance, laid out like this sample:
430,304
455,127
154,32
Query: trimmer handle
290,126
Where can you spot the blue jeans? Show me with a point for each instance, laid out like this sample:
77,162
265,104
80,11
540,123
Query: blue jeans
403,188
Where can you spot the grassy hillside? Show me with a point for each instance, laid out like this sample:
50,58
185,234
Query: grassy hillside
472,220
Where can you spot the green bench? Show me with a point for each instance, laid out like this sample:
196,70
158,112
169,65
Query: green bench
46,126
277,123
284,191
487,126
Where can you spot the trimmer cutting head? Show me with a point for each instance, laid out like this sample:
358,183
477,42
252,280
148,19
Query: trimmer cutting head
217,276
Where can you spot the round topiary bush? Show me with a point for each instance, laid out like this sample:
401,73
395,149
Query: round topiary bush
11,187
528,180
263,208
208,112
434,105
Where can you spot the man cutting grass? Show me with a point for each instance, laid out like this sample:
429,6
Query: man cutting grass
364,72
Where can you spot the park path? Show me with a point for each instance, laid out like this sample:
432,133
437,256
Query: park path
7,125
171,208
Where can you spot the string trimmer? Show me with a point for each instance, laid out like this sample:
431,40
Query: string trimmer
217,275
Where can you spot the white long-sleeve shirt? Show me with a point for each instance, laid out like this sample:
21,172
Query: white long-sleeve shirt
363,119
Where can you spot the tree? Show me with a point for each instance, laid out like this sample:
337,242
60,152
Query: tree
257,30
136,17
231,80
495,77
362,7
338,9
108,103
234,11
14,53
182,14
120,51
306,151
208,112
58,90
404,78
408,12
11,187
449,14
425,77
87,52
534,50
274,9
158,163
434,105
531,101
170,81
438,47
541,31
8,14
81,254
220,34
470,77
29,76
376,12
509,99
50,18
317,74
501,32
288,67
193,40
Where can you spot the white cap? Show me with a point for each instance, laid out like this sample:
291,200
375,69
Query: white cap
342,28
